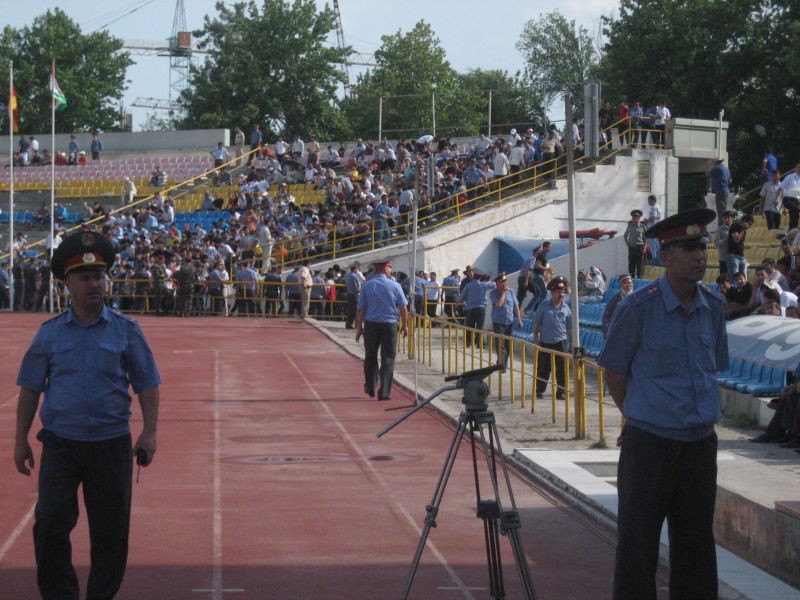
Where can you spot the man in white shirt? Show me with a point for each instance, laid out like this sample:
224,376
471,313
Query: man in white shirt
433,294
791,195
662,116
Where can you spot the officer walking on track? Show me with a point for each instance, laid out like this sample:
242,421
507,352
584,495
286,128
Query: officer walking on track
380,305
84,360
665,345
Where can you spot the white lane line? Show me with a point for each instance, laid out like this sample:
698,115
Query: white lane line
21,526
8,403
459,584
216,577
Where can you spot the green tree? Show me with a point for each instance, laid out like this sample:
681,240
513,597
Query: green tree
701,56
512,103
412,67
90,70
271,65
558,56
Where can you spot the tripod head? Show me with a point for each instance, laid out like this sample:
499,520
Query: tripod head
475,389
475,393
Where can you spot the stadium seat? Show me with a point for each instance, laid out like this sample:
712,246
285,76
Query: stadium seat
772,381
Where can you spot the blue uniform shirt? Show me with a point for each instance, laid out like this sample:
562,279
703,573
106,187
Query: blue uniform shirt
671,358
474,294
554,324
450,286
505,314
85,372
381,299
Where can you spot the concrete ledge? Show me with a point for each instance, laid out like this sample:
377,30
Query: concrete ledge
737,404
765,537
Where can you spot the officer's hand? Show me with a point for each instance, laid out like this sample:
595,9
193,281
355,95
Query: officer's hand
404,331
146,442
23,457
358,334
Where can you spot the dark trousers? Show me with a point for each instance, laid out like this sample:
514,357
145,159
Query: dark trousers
793,206
773,219
450,306
104,470
543,367
352,307
660,478
503,345
474,318
636,261
383,337
522,290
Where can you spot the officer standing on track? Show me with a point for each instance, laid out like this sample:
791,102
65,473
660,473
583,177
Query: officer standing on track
84,360
551,327
380,305
666,343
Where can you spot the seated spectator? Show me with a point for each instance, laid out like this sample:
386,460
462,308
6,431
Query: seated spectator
738,297
591,285
158,178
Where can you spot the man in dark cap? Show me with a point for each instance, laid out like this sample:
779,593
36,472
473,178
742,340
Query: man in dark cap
84,360
380,305
665,345
551,329
634,239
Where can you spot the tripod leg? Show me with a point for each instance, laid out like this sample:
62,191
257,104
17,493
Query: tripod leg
489,512
510,522
510,525
432,509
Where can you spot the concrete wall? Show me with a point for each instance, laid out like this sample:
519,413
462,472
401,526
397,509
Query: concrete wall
138,142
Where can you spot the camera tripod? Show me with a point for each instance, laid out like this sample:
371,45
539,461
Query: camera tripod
496,520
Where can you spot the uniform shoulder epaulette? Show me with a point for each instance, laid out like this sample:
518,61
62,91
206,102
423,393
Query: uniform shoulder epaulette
54,318
643,294
123,316
713,293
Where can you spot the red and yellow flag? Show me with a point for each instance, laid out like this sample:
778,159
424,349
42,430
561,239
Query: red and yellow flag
13,111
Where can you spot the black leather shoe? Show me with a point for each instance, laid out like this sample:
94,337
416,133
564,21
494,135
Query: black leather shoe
794,443
539,395
369,392
559,395
382,398
765,438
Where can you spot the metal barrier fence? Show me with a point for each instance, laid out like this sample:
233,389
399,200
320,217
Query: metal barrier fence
578,405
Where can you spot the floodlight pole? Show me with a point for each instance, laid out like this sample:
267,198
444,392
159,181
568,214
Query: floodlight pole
380,119
573,243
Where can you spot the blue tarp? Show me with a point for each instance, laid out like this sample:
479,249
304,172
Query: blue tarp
513,252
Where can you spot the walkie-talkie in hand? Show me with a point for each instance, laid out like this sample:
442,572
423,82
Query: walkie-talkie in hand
141,459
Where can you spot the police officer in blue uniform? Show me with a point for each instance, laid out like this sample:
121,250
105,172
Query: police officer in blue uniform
84,360
665,345
505,312
380,305
473,299
551,330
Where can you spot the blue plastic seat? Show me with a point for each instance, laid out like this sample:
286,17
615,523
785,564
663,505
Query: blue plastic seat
755,377
744,376
735,370
772,381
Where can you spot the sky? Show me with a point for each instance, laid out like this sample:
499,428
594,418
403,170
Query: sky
474,34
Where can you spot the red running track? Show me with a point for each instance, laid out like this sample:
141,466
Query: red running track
269,482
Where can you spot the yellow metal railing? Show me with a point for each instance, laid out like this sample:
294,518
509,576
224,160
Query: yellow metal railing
463,348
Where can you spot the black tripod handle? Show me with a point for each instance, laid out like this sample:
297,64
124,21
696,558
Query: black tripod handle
474,374
399,420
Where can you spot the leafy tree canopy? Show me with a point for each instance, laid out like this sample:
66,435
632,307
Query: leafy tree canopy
558,56
90,70
701,56
271,65
411,68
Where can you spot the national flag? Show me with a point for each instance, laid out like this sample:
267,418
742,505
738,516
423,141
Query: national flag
59,99
13,110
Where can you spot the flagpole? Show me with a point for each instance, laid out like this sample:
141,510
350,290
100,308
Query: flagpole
11,181
52,176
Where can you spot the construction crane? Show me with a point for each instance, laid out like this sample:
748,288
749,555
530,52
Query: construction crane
179,50
345,66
